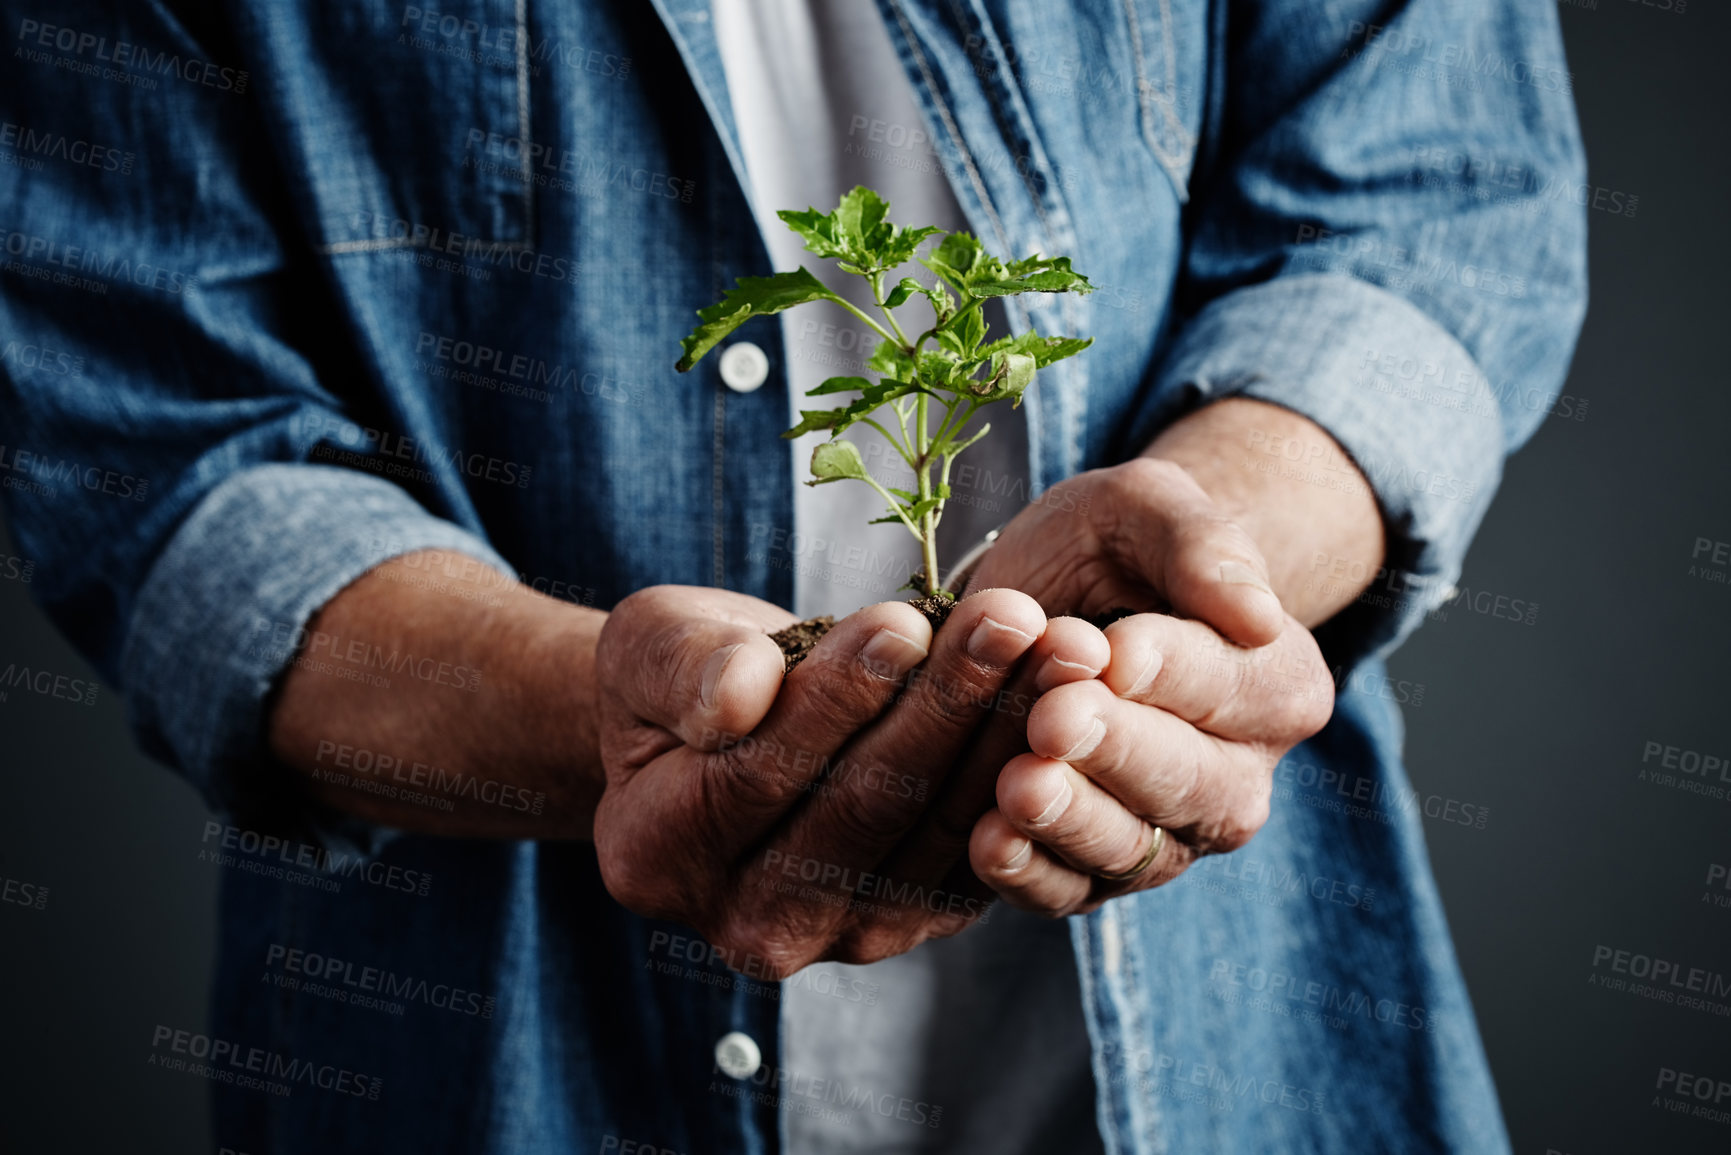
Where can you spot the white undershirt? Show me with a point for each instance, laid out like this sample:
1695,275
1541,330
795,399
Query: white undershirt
985,1027
823,105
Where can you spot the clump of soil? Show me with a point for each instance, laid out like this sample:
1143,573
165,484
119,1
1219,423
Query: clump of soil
798,640
936,607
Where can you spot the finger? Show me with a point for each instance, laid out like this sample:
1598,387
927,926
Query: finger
869,801
1070,650
1084,826
1155,516
1209,793
1281,693
668,831
1022,873
696,663
848,679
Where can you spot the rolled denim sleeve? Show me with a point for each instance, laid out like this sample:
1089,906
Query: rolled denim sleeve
163,469
1389,238
225,608
1431,449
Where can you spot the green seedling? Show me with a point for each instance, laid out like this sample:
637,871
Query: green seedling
950,371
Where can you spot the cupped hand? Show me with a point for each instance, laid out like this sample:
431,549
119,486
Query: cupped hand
759,809
1209,683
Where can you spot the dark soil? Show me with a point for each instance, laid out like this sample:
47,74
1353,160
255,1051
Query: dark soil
936,608
797,640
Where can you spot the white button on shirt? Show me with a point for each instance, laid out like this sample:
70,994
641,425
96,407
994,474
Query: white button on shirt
744,367
737,1054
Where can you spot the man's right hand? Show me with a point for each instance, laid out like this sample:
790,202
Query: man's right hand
755,808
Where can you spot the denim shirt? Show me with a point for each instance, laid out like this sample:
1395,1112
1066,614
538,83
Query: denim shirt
337,282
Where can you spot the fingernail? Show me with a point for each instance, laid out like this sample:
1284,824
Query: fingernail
1086,746
1059,804
996,644
1020,858
1048,675
890,655
1236,573
1150,670
712,671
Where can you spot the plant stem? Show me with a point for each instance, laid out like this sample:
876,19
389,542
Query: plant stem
928,532
878,296
850,307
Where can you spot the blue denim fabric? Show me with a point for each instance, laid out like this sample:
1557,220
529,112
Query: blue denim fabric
1376,227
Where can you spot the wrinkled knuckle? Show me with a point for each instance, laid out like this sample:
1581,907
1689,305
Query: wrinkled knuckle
872,820
640,885
1241,824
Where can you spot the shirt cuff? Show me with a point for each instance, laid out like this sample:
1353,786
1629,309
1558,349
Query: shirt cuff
1403,398
222,612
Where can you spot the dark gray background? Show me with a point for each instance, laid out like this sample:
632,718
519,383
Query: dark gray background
1544,725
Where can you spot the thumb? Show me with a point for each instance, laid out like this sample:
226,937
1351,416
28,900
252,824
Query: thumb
695,662
1205,565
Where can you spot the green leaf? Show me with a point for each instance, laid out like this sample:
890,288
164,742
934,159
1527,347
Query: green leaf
841,385
940,366
964,332
956,258
817,228
1044,350
902,245
754,297
814,419
835,461
920,508
904,289
890,361
859,221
